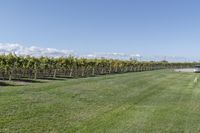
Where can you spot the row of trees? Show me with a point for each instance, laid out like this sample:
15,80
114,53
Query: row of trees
19,67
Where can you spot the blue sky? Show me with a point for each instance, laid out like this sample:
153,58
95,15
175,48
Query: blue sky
146,27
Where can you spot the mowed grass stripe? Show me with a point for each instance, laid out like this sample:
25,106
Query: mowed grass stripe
31,103
169,115
129,109
193,107
156,101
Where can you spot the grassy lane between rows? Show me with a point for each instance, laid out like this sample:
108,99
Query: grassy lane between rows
154,101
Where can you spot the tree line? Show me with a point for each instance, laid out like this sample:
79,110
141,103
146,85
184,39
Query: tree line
27,67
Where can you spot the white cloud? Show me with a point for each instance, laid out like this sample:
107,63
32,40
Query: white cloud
33,51
113,56
18,49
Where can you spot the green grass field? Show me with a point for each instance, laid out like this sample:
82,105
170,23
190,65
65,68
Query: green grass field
156,101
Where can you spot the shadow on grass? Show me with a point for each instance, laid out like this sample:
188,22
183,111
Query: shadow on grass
6,84
28,81
49,78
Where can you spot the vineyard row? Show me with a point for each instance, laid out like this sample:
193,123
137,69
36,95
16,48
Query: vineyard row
27,67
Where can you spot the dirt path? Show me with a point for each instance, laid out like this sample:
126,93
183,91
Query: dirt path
185,70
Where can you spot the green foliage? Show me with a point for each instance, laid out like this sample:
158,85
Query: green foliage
12,66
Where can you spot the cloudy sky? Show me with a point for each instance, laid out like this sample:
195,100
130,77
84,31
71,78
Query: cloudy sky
151,29
18,49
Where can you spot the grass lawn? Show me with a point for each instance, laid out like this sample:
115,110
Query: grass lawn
156,101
